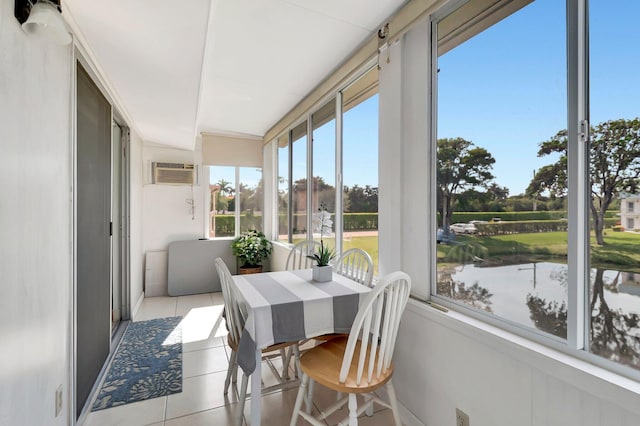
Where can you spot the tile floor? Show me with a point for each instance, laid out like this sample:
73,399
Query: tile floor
204,361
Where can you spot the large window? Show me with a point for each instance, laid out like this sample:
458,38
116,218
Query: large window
323,185
235,200
299,188
360,166
283,188
502,226
614,162
346,158
532,216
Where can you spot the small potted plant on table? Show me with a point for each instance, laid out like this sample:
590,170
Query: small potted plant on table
251,248
322,222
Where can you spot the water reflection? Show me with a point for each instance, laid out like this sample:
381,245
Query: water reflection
615,332
535,295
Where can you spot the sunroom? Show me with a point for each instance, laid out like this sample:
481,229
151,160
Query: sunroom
142,144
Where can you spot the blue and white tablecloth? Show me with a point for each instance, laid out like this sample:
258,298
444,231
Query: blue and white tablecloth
289,306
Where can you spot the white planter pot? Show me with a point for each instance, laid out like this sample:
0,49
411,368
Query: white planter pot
322,274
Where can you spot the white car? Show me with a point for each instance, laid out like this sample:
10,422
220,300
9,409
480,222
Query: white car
463,228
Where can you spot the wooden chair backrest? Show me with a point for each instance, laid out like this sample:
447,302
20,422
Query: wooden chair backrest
356,264
233,316
376,327
298,259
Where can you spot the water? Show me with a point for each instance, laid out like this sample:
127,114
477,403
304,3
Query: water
535,295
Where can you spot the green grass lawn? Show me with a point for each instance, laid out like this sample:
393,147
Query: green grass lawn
621,248
368,244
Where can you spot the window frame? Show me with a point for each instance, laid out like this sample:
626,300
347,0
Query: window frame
578,256
237,202
337,96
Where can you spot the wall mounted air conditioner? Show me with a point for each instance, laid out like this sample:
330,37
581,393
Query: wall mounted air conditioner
173,173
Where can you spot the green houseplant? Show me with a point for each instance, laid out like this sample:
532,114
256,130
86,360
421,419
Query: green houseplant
251,248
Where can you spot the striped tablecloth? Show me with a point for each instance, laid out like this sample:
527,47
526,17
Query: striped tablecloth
289,306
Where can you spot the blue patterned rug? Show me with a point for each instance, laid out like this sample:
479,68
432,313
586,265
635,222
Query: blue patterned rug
147,364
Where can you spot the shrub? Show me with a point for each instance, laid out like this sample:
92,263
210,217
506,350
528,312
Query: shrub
251,248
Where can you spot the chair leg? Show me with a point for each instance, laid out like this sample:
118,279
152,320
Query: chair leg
309,396
296,360
230,371
394,403
353,410
234,373
302,391
243,397
285,355
368,399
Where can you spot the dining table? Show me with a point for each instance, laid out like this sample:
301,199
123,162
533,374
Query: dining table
288,306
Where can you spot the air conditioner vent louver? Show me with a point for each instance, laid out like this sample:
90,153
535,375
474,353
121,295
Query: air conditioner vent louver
173,174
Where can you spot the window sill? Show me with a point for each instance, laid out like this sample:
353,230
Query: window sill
617,389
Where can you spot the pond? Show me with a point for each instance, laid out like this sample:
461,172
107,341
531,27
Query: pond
535,295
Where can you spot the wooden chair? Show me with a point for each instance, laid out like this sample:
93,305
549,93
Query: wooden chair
298,259
361,362
235,324
356,264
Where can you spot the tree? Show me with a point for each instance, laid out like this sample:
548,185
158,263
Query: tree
222,203
362,200
225,187
323,193
614,166
550,317
474,295
497,192
461,166
612,331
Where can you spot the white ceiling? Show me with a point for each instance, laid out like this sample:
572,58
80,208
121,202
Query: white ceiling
222,66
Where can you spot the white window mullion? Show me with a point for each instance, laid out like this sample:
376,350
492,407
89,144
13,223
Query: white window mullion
338,222
433,199
309,177
237,206
578,169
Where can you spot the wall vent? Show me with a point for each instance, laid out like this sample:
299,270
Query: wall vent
173,173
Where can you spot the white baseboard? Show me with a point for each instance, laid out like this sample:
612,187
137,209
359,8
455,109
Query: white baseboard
136,308
407,417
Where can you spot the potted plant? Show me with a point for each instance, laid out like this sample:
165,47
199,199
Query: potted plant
322,222
251,248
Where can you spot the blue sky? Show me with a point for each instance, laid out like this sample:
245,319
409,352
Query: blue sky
505,90
360,150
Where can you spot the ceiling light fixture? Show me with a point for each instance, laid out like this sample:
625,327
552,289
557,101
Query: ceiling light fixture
42,21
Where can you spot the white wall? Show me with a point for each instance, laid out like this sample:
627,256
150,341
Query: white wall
35,226
447,361
166,216
135,221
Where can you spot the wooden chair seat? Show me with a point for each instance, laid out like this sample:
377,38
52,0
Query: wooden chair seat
361,362
322,364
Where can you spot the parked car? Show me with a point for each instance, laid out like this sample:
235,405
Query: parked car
470,228
441,237
463,228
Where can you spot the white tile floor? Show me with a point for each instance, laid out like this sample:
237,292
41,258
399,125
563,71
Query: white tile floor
204,365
